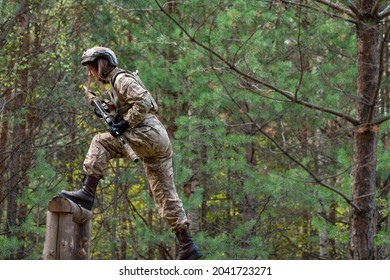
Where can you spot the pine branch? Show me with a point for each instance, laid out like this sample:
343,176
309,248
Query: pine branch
379,121
352,11
317,180
288,95
332,15
384,13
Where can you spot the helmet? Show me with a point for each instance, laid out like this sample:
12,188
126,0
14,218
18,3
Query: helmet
96,52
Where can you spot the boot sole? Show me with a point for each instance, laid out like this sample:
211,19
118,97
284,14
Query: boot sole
79,202
196,256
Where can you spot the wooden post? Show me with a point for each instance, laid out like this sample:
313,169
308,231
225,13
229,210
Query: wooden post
68,231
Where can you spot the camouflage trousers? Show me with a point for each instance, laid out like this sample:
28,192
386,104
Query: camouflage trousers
152,144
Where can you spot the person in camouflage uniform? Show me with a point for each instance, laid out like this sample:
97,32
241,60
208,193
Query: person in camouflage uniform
136,120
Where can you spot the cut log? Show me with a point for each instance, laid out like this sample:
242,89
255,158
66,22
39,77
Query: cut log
68,231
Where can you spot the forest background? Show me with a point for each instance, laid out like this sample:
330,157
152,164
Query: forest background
277,110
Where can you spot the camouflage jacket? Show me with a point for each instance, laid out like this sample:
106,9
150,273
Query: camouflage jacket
133,102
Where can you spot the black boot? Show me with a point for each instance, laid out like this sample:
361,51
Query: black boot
187,248
85,196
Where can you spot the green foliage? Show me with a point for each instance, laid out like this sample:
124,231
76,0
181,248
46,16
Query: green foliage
229,246
8,245
233,138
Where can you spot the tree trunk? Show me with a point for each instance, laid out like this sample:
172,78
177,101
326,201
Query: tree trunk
319,143
365,137
17,174
115,204
4,156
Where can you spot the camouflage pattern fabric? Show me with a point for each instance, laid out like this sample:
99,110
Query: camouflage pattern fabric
149,139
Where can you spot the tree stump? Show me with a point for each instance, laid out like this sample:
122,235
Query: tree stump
68,231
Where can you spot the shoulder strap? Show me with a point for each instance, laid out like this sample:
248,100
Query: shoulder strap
112,80
114,94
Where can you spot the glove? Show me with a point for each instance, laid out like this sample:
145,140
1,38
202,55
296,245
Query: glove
119,128
90,95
